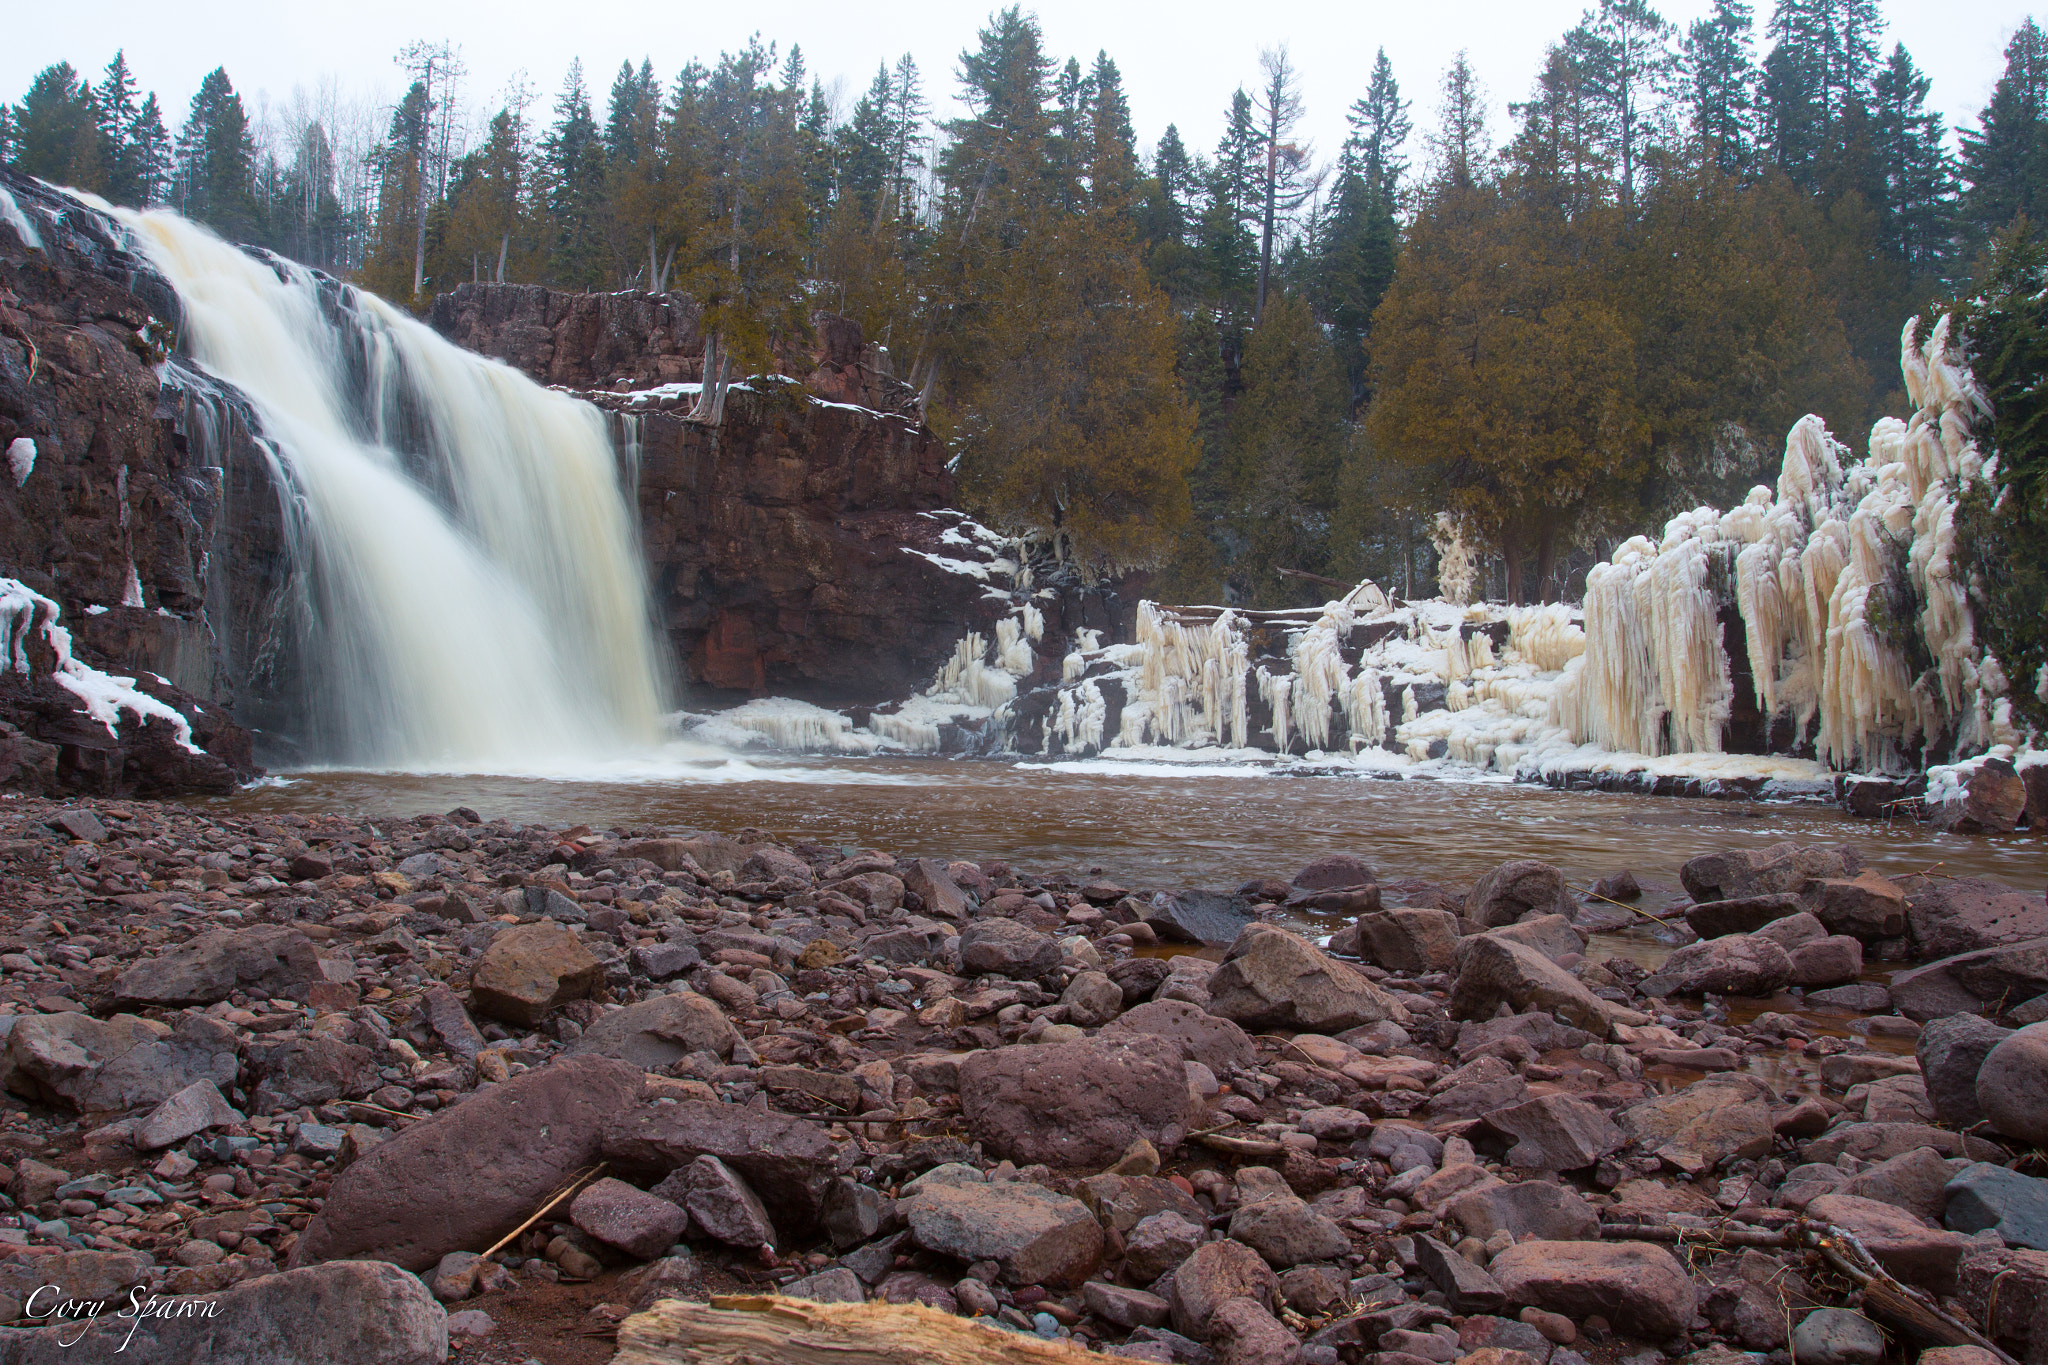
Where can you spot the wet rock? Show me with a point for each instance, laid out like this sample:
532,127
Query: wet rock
1880,1141
1951,915
1529,1208
1139,978
1993,798
268,960
1003,947
1203,1037
789,1162
1271,978
1092,999
1033,1235
1830,961
656,1034
1868,906
1469,1288
1863,997
1198,917
1078,1104
74,1061
308,1071
1212,1276
630,1219
934,885
1638,1284
529,969
1514,889
721,1204
1287,1232
196,1108
1781,867
1405,939
1735,964
1495,971
1977,983
1951,1052
1982,1196
1333,871
1902,1243
1741,915
1554,936
465,1176
345,1313
1837,1336
2012,1086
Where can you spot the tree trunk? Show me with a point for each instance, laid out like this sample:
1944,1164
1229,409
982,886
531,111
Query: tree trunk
504,245
1266,229
739,1330
1546,558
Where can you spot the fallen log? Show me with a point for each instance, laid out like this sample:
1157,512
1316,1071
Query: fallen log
738,1329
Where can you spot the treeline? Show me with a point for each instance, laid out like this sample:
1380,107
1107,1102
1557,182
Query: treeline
1218,365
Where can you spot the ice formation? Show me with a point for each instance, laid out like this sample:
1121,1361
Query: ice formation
21,459
11,214
104,696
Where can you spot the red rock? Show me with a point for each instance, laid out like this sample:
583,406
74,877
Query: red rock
1215,1274
1637,1283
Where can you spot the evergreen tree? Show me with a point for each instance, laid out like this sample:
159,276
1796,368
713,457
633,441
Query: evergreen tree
216,161
1458,145
1112,164
1285,180
2005,158
1362,236
572,179
1719,67
1627,62
150,144
56,131
115,103
1906,138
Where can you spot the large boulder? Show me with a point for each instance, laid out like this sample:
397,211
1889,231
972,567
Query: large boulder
1741,915
1079,1104
1215,1274
790,1162
1902,1243
1780,867
1207,917
343,1313
1951,915
1033,1235
1271,978
1639,1286
1406,939
1867,906
1988,797
1722,1118
1981,982
1514,889
1982,1196
76,1062
529,969
1287,1232
268,960
461,1179
1493,971
1554,936
1555,1133
2012,1086
307,1071
1003,947
1734,964
1528,1208
1203,1037
656,1034
1952,1050
1334,871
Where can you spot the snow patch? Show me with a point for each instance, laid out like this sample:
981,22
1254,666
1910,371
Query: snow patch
24,611
21,454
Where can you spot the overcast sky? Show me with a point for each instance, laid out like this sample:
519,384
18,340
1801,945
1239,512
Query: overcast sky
1180,62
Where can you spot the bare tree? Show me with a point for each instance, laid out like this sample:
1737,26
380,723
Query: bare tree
436,66
1458,146
1289,181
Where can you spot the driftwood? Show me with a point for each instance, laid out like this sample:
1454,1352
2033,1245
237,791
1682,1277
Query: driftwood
771,1330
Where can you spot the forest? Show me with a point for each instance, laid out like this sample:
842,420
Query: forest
1250,370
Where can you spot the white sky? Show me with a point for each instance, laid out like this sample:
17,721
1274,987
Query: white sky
1180,62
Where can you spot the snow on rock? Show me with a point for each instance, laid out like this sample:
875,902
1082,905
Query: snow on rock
103,696
21,457
779,723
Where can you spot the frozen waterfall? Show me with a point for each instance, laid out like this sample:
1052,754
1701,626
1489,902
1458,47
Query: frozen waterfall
475,596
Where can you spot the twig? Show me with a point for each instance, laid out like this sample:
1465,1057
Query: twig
575,1181
1634,909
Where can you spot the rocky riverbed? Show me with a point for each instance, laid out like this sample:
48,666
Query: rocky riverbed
322,1088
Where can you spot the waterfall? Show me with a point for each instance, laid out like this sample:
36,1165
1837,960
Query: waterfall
474,593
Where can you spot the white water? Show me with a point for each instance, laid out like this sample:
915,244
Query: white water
478,600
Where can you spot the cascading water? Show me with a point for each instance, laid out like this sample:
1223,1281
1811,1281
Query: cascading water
475,600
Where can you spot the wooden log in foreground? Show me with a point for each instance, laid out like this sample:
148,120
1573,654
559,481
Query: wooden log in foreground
771,1330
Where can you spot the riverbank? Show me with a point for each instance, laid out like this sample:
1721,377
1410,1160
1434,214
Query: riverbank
249,1050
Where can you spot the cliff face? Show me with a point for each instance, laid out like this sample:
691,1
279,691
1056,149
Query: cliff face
779,541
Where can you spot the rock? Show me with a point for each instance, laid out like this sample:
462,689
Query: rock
666,961
470,1173
1078,1104
1406,939
1203,1037
1126,1308
1496,971
790,1162
77,822
1837,1336
1759,872
1003,947
1914,1181
1734,964
630,1219
1957,1355
1530,1208
1741,915
2007,1290
1198,917
1638,1284
721,1204
1977,983
1992,799
1982,1196
1830,961
656,1034
1902,1244
344,1313
1519,888
1033,1235
268,960
1334,871
2012,1086
1951,1051
196,1108
1245,1333
1863,997
74,1061
529,969
1867,907
1554,936
76,1275
1721,1118
1287,1232
308,1071
672,1277
934,886
1139,978
1121,1202
1468,1287
1159,1243
836,1285
1212,1276
471,1323
1794,932
1870,1142
1952,915
1271,978
451,1023
1092,999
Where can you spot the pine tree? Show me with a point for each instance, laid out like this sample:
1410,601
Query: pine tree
572,171
400,166
2005,158
150,144
1112,158
56,131
1906,138
1285,181
1719,68
1361,237
115,105
216,161
1458,145
864,145
1629,66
